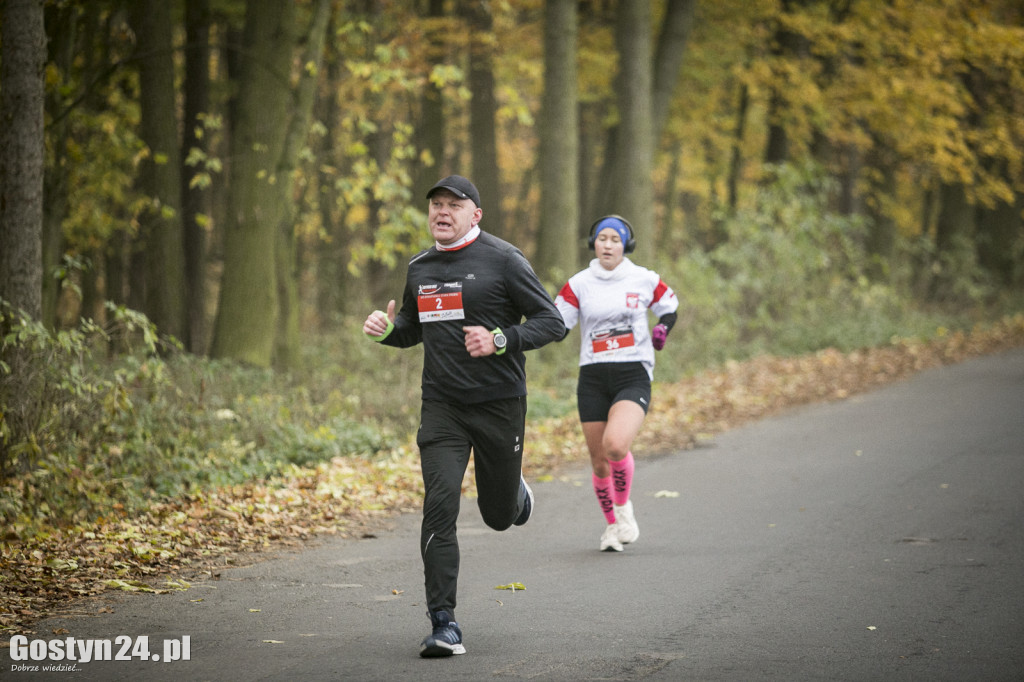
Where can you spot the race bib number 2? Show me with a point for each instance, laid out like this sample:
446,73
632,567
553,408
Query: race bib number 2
439,303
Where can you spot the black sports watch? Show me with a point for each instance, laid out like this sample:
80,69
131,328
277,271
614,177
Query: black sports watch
500,341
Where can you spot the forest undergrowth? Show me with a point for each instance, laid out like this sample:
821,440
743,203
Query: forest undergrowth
177,540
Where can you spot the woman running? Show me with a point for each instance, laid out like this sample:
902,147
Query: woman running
610,300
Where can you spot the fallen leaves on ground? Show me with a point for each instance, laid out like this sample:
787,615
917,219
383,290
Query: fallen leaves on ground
176,543
192,539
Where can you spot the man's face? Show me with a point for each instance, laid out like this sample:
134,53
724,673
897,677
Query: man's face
451,217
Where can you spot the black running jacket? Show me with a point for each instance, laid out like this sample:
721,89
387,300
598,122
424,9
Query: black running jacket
490,283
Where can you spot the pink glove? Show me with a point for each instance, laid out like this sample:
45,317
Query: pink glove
658,336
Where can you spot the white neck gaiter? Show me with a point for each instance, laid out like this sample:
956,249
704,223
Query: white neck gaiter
467,239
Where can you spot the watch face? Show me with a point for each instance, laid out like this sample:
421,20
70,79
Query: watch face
500,340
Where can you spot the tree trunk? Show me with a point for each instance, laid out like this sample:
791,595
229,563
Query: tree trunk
672,43
956,217
850,200
286,353
590,123
736,157
1000,230
482,116
632,189
61,32
246,323
23,55
193,195
332,281
559,145
431,128
785,45
22,60
590,173
644,87
160,172
880,239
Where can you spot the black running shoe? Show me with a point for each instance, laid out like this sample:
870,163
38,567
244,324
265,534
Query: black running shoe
527,510
445,640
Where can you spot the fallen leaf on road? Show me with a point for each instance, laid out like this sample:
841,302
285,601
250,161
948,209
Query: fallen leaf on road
511,586
666,493
131,586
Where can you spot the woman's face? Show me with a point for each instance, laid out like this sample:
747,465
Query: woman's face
608,248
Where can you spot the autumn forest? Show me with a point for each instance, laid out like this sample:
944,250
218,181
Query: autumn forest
201,197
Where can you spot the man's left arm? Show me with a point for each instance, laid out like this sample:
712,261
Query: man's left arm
543,323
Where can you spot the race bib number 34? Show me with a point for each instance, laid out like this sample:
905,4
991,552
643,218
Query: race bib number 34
439,303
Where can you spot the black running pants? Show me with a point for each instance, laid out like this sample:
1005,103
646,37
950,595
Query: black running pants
494,432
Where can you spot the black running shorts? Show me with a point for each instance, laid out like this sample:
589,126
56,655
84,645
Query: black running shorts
603,384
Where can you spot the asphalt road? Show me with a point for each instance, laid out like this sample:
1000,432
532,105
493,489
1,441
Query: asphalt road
878,538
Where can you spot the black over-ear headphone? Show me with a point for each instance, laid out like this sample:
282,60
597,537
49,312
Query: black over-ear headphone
609,221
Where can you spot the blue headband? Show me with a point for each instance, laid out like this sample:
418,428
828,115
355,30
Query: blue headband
615,224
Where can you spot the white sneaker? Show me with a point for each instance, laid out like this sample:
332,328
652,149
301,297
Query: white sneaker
610,539
629,531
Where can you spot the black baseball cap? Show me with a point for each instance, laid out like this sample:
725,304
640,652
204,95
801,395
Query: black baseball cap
459,186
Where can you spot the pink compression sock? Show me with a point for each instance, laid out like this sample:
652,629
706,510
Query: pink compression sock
603,488
622,473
